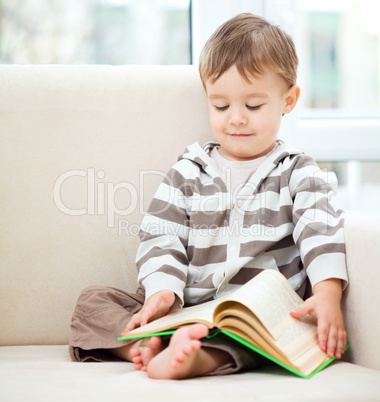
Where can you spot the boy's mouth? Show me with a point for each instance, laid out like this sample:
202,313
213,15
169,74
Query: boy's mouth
240,135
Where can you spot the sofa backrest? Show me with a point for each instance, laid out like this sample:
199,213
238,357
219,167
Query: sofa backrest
82,151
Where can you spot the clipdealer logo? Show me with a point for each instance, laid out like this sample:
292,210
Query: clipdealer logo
101,196
101,200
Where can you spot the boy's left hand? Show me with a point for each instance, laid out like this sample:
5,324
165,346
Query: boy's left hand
325,306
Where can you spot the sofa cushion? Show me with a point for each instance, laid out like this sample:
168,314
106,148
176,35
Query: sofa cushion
47,373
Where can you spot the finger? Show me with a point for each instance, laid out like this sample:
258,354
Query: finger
341,345
332,341
146,314
323,335
301,311
139,319
132,324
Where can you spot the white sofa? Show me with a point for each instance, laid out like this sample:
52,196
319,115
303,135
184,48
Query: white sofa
82,150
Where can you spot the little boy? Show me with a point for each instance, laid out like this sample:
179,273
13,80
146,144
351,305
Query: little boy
225,212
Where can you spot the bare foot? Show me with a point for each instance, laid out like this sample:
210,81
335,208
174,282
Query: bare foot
183,357
144,351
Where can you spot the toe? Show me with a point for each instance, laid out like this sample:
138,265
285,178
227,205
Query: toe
198,331
155,342
137,360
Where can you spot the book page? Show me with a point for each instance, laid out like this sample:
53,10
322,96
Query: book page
297,346
202,313
246,332
270,296
240,314
311,359
299,337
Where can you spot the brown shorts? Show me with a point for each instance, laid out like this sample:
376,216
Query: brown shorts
101,315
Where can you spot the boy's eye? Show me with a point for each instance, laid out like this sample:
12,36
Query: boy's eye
253,107
221,108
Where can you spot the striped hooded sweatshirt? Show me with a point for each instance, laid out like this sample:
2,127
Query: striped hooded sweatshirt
201,242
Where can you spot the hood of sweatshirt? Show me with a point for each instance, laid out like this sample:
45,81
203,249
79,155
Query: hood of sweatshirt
201,156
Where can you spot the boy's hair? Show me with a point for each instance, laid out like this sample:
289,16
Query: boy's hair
252,44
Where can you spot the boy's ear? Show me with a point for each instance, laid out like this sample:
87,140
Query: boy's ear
292,96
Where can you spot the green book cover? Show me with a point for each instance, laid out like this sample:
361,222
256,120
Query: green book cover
216,331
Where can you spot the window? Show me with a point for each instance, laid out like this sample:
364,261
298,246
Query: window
359,184
95,32
338,118
339,49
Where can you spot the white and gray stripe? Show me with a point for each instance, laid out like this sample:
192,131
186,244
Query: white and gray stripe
201,242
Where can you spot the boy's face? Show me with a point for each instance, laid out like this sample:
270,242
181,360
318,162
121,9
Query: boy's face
245,117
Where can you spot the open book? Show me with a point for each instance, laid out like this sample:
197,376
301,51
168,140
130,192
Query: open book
256,315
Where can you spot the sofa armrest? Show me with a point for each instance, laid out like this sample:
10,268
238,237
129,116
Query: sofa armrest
361,300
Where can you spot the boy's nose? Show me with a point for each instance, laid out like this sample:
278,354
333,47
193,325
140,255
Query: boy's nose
238,117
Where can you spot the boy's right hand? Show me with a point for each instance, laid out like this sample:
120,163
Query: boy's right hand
155,306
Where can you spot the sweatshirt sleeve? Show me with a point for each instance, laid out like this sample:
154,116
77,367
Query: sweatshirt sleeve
318,227
161,260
